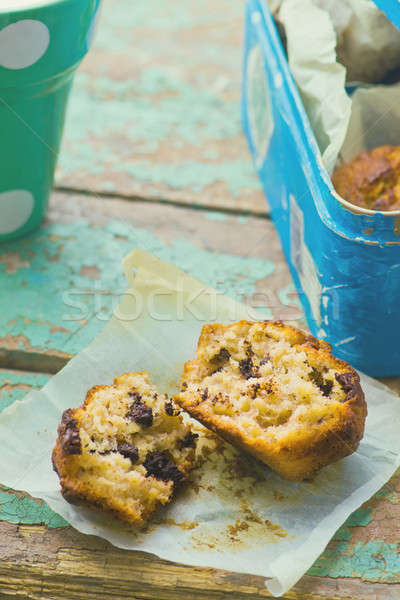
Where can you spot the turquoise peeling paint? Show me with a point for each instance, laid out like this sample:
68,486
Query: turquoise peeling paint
27,511
192,175
9,382
187,101
119,22
219,217
360,517
157,15
15,507
100,108
371,561
63,308
343,533
100,105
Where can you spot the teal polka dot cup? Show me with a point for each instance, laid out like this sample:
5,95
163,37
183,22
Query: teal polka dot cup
41,45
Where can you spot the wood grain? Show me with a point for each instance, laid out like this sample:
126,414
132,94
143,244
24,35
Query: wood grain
65,564
155,108
74,261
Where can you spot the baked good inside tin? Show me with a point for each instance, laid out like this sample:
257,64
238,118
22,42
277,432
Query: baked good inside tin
124,450
371,180
277,393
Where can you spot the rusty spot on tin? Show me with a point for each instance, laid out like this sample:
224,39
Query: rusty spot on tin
368,231
396,226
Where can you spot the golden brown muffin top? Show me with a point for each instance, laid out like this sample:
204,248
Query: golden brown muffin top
372,179
277,393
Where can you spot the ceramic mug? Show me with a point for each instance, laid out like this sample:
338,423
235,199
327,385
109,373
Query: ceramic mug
41,45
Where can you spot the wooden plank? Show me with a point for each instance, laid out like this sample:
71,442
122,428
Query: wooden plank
64,564
155,108
56,561
65,279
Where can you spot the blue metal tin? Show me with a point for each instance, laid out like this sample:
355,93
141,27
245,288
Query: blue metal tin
345,261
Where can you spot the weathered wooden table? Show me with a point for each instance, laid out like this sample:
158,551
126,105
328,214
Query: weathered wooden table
153,157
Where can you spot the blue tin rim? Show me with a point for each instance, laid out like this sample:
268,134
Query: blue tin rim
391,8
359,219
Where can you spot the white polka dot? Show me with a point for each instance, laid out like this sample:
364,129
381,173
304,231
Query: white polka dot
23,43
16,207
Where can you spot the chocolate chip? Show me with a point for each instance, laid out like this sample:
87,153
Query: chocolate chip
158,465
265,360
190,440
347,382
128,451
255,389
140,413
69,434
136,397
317,378
222,356
204,395
169,409
326,387
248,349
184,385
247,368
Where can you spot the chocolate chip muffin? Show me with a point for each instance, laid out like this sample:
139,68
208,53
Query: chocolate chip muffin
124,450
277,393
372,179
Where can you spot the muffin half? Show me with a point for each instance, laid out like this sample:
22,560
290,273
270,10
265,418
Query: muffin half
124,450
277,393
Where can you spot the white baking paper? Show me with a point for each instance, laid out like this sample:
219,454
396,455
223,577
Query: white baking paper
311,42
233,513
374,120
368,46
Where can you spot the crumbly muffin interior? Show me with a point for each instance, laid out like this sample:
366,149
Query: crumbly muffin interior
129,445
264,380
372,179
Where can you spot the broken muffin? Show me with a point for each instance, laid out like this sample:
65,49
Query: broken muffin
124,450
372,179
277,393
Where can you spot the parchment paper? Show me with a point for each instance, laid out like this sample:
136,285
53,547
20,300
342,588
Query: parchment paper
368,46
374,120
234,513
